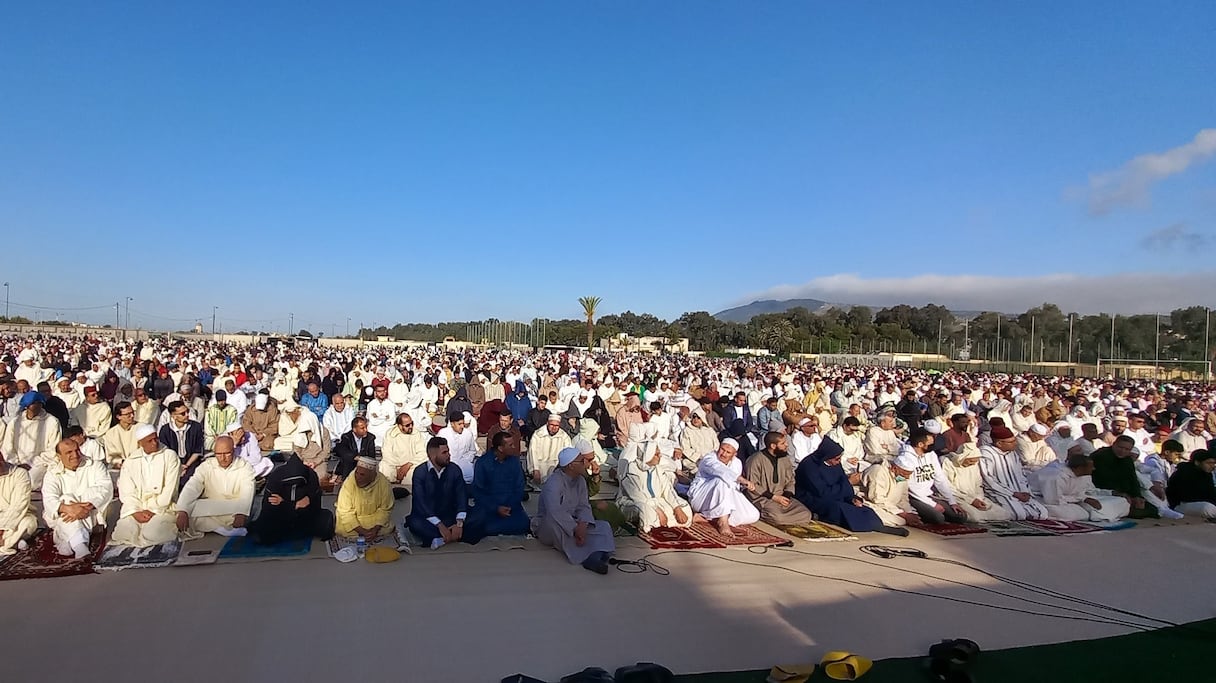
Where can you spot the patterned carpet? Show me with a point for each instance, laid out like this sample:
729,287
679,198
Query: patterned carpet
41,561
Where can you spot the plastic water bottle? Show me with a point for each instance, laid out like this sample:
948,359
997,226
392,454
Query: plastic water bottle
361,546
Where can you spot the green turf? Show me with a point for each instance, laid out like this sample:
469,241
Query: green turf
1170,654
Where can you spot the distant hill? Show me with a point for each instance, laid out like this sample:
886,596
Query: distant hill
742,314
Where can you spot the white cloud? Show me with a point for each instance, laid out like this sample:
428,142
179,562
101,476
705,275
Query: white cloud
1122,293
1129,184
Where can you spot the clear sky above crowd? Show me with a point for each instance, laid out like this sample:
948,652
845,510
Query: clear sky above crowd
454,161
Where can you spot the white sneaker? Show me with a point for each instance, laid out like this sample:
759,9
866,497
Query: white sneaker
1170,514
437,543
23,545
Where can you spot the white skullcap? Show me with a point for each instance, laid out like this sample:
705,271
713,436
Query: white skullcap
232,427
369,463
907,461
143,431
566,456
289,404
260,401
730,442
804,421
1039,429
554,417
582,445
933,426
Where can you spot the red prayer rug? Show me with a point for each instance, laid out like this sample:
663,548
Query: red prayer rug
744,535
676,538
948,529
1062,528
41,561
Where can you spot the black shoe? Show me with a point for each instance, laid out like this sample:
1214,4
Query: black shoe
893,530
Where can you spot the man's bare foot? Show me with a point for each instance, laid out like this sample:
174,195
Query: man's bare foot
698,517
723,526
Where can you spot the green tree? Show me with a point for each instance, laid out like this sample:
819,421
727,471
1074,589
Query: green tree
589,304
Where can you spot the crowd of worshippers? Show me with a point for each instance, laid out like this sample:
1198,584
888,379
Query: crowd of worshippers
193,432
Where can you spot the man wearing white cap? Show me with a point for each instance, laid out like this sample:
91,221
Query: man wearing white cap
246,448
218,495
697,439
647,491
882,442
1070,494
544,448
807,438
716,491
301,433
962,469
564,519
147,485
75,497
262,421
365,503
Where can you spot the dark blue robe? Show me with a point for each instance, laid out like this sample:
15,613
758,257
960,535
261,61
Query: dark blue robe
497,484
442,496
826,490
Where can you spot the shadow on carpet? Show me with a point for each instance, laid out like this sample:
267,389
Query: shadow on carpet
1177,653
40,561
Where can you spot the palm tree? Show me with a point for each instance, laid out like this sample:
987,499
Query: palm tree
589,304
777,335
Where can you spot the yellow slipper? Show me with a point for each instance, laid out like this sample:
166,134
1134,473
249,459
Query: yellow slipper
845,666
790,673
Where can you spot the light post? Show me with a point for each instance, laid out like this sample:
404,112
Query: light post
213,310
127,321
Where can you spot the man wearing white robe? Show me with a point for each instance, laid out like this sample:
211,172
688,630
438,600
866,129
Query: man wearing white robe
119,440
64,392
544,447
1034,453
218,495
884,488
301,433
963,472
848,435
461,435
1191,435
147,411
806,439
647,490
697,438
1070,494
17,520
29,442
75,498
147,485
1005,479
882,444
564,520
338,418
404,449
716,491
247,449
381,414
93,415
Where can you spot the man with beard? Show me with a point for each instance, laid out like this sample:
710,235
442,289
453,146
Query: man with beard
772,471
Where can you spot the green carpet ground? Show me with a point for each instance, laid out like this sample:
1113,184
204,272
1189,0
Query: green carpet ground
1178,654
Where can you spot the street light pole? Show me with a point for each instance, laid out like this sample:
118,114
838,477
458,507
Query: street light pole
213,310
6,302
127,320
291,320
1207,354
348,327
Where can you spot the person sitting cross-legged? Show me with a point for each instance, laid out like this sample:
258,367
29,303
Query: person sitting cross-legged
291,506
498,492
440,498
76,495
218,496
147,485
823,487
564,520
1190,489
716,492
365,503
17,520
1070,495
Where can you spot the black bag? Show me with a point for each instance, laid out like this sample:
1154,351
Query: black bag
592,674
644,672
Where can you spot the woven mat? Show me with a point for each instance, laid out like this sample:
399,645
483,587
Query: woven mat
816,532
1061,528
119,557
676,538
243,547
744,535
1006,529
41,561
948,529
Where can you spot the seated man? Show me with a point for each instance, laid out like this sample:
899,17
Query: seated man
697,439
823,487
1190,489
119,440
291,506
403,450
246,448
716,492
439,496
93,414
29,442
262,421
543,449
89,447
848,435
881,442
217,496
184,437
302,434
505,423
929,492
564,520
963,472
1115,470
772,471
1004,478
498,491
647,489
338,420
461,436
884,487
147,485
17,520
217,418
75,497
357,443
1035,454
1070,495
365,503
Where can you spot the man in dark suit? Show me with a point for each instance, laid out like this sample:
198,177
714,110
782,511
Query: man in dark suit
356,443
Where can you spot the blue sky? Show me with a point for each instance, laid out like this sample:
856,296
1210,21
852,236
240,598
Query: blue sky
454,161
